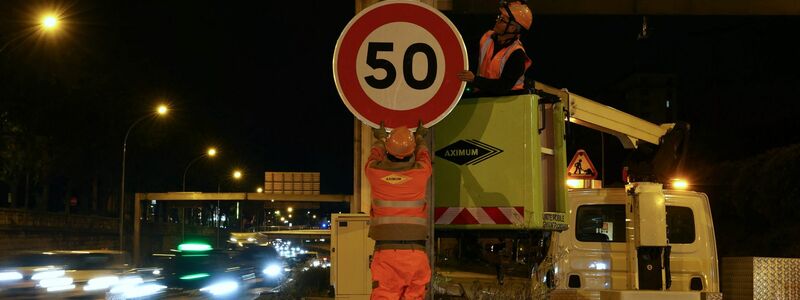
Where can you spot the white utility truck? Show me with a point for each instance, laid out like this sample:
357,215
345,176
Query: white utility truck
507,224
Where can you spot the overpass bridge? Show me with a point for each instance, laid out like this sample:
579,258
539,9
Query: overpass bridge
264,199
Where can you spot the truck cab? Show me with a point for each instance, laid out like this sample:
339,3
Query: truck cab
593,253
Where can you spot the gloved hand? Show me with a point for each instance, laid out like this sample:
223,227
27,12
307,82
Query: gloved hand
380,133
421,130
466,75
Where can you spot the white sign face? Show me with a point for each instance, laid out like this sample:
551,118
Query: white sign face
396,62
405,36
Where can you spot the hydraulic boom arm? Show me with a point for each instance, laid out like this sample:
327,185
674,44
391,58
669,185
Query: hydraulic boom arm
628,128
659,161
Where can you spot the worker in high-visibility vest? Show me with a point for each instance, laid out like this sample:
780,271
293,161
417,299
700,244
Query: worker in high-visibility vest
398,170
503,61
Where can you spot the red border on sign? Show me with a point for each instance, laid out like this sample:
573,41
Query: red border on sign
588,161
351,90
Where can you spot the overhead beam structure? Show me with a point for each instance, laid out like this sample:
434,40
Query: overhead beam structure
622,7
634,7
195,196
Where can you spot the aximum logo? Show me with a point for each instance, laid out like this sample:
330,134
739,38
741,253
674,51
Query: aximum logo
395,178
468,152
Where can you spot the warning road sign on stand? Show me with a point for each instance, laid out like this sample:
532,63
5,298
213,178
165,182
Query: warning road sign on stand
581,167
396,62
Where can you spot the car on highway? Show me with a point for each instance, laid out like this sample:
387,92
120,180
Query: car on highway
196,270
85,274
266,260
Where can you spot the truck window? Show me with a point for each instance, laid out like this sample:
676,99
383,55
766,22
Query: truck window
600,223
680,225
606,223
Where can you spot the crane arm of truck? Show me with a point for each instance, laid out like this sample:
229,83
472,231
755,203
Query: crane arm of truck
657,160
585,112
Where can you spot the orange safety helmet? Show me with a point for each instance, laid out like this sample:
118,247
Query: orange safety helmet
517,11
400,142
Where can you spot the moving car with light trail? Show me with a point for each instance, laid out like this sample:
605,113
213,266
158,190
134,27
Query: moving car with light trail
265,259
197,270
85,274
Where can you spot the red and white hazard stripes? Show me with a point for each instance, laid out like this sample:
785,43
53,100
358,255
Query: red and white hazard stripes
479,215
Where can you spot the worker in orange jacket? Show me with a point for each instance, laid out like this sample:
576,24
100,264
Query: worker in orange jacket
503,62
398,170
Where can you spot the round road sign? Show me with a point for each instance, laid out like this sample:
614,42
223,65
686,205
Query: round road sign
396,62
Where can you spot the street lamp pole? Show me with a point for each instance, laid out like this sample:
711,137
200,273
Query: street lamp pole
122,183
211,152
160,111
9,43
236,175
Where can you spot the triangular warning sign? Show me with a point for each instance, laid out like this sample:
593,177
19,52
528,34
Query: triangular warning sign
581,167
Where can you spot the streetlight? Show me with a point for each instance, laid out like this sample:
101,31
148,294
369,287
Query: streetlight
160,111
210,153
47,23
259,190
236,175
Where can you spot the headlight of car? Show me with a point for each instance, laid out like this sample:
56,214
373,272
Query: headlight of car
126,283
101,283
55,282
10,276
221,288
273,270
137,290
47,274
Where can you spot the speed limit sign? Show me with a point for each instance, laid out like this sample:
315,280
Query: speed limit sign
396,62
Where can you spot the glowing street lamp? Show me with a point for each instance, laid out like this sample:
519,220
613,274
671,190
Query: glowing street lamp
211,152
47,23
236,175
259,190
160,111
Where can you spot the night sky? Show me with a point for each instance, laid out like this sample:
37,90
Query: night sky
254,79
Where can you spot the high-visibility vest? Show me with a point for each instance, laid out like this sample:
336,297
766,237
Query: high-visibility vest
399,209
491,66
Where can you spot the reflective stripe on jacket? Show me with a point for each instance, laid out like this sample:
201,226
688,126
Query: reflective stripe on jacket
399,210
491,66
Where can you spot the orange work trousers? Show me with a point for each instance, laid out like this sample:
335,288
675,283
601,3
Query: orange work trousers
399,274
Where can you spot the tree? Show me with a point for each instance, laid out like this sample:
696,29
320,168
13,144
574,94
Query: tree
755,203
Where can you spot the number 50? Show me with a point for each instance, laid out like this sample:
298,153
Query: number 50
408,63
